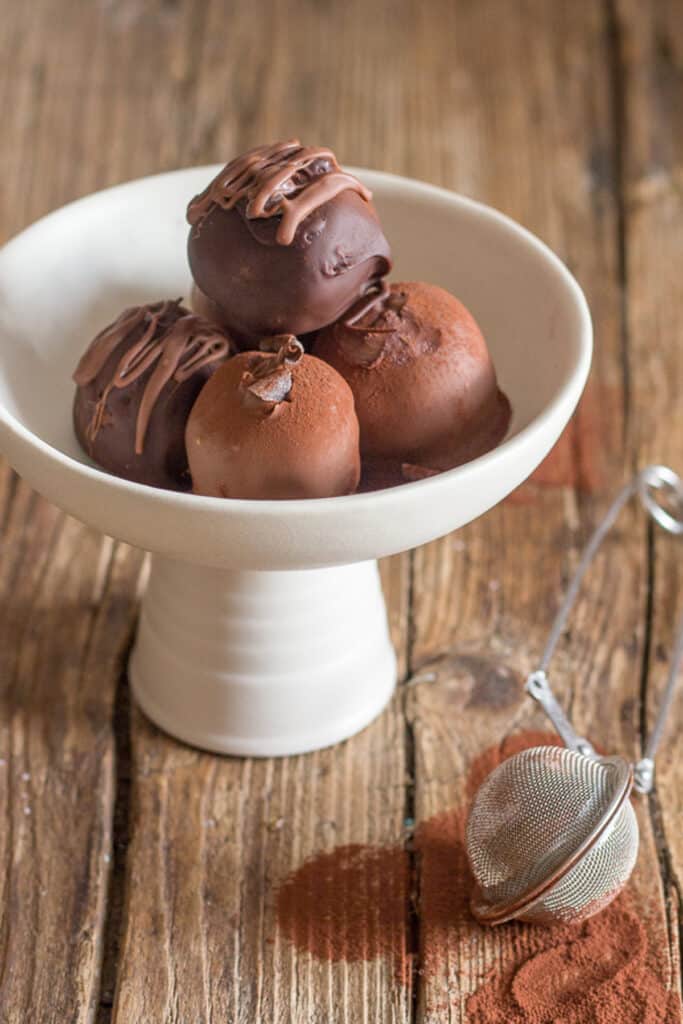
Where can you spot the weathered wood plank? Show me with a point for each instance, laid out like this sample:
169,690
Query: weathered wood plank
66,605
547,153
64,622
651,48
211,841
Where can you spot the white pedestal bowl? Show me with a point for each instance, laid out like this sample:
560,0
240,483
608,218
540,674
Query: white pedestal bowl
263,629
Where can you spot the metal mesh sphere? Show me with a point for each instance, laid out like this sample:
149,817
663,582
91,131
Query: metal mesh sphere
551,836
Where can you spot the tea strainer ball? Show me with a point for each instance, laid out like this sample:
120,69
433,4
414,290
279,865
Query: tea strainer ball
552,835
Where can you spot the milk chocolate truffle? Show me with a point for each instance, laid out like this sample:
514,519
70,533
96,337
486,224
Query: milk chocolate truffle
284,241
423,382
136,384
274,425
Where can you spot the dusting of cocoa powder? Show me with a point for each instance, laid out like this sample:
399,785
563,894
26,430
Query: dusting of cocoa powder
353,904
350,904
602,971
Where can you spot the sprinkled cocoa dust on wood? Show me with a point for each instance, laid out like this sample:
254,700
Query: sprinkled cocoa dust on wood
351,904
603,971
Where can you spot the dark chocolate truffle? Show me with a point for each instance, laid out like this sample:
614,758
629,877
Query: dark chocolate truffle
274,425
202,305
422,378
284,241
136,384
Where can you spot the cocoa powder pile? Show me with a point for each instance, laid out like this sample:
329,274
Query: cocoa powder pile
353,904
602,972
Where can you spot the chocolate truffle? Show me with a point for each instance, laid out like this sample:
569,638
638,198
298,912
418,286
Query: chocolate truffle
274,425
136,384
423,382
202,305
284,241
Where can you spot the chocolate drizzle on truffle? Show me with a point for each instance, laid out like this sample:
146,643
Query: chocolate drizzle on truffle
175,343
268,382
283,241
285,179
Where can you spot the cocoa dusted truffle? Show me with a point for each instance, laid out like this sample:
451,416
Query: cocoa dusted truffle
284,241
274,425
423,382
136,384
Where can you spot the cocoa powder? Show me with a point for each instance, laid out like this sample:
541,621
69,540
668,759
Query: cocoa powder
603,972
352,904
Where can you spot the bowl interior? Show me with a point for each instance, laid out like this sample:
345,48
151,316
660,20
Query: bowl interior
68,275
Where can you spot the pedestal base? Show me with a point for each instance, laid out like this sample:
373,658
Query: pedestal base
262,663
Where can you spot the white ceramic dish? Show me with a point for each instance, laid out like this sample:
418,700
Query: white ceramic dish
233,654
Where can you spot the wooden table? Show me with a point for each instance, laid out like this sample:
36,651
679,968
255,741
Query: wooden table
140,878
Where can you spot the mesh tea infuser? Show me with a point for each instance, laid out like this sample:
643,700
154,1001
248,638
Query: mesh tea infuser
552,836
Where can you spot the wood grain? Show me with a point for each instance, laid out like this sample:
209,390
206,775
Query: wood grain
484,599
139,877
65,624
68,605
211,840
652,58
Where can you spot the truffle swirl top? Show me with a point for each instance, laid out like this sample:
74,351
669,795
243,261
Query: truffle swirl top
163,337
269,381
285,179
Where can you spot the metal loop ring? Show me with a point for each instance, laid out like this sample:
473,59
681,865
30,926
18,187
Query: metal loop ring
645,484
661,478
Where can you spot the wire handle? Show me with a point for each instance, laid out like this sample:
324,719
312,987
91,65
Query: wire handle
651,484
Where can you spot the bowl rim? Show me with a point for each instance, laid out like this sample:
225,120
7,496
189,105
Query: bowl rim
574,382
